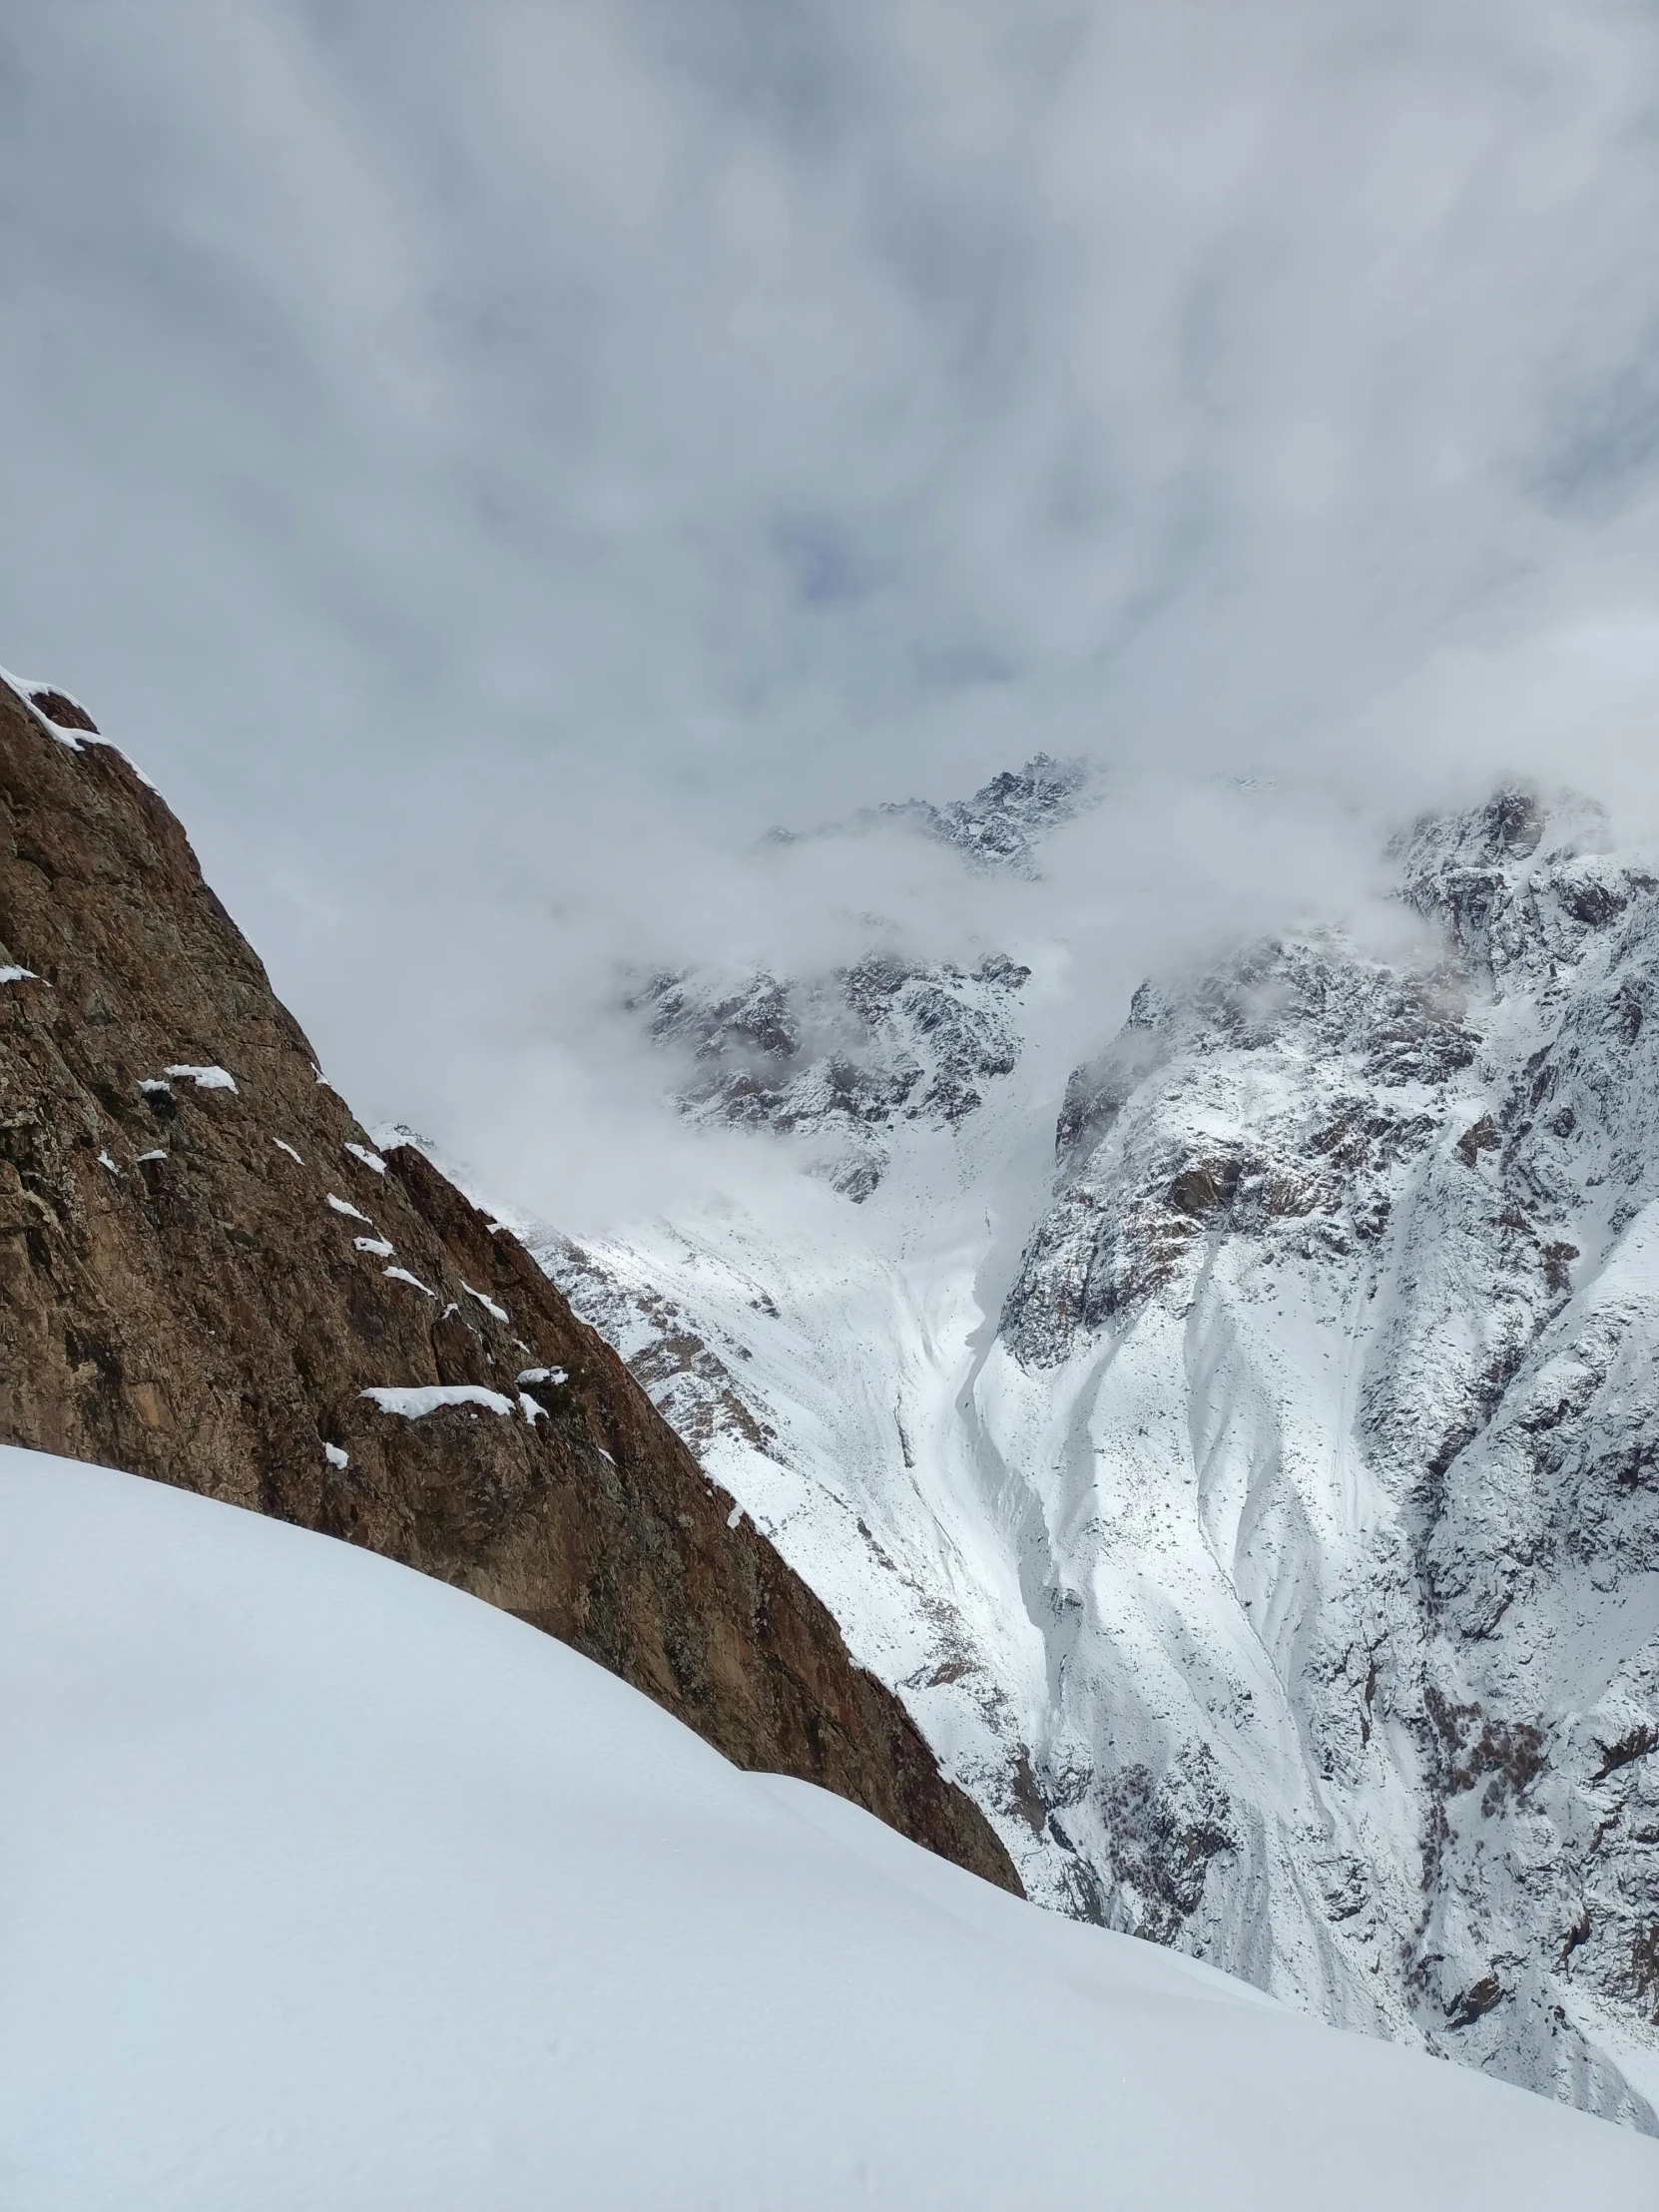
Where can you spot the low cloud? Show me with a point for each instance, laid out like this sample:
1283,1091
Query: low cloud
490,464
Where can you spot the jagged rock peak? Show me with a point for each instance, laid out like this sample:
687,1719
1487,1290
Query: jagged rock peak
1000,826
1518,881
1007,818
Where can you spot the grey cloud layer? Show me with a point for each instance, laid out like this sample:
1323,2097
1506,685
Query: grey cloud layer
489,462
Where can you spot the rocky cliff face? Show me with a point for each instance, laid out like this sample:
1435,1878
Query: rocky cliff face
1276,1554
209,1276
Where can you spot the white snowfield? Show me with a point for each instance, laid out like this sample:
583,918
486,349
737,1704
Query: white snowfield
327,1886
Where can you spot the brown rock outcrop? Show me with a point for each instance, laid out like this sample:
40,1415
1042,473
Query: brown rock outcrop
203,1269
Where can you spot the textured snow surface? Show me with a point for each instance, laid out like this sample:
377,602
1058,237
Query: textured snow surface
327,1886
1255,1497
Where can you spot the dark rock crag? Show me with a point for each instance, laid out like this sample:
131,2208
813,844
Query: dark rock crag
204,1266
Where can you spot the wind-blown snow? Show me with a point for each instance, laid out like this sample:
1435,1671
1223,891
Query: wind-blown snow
327,1886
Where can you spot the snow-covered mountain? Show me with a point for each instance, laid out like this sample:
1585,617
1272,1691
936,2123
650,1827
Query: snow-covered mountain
1259,1511
327,1886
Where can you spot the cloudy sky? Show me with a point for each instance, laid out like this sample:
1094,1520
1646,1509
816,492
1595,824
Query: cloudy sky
487,461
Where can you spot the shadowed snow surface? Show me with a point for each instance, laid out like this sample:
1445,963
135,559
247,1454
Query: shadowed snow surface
325,1884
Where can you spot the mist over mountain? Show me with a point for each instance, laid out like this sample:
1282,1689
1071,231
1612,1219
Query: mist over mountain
1244,1472
489,465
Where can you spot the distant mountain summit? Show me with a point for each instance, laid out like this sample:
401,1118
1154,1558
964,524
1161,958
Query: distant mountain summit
1006,819
847,1057
844,1058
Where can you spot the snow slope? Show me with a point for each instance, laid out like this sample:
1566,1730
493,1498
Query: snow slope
325,1884
1252,1496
